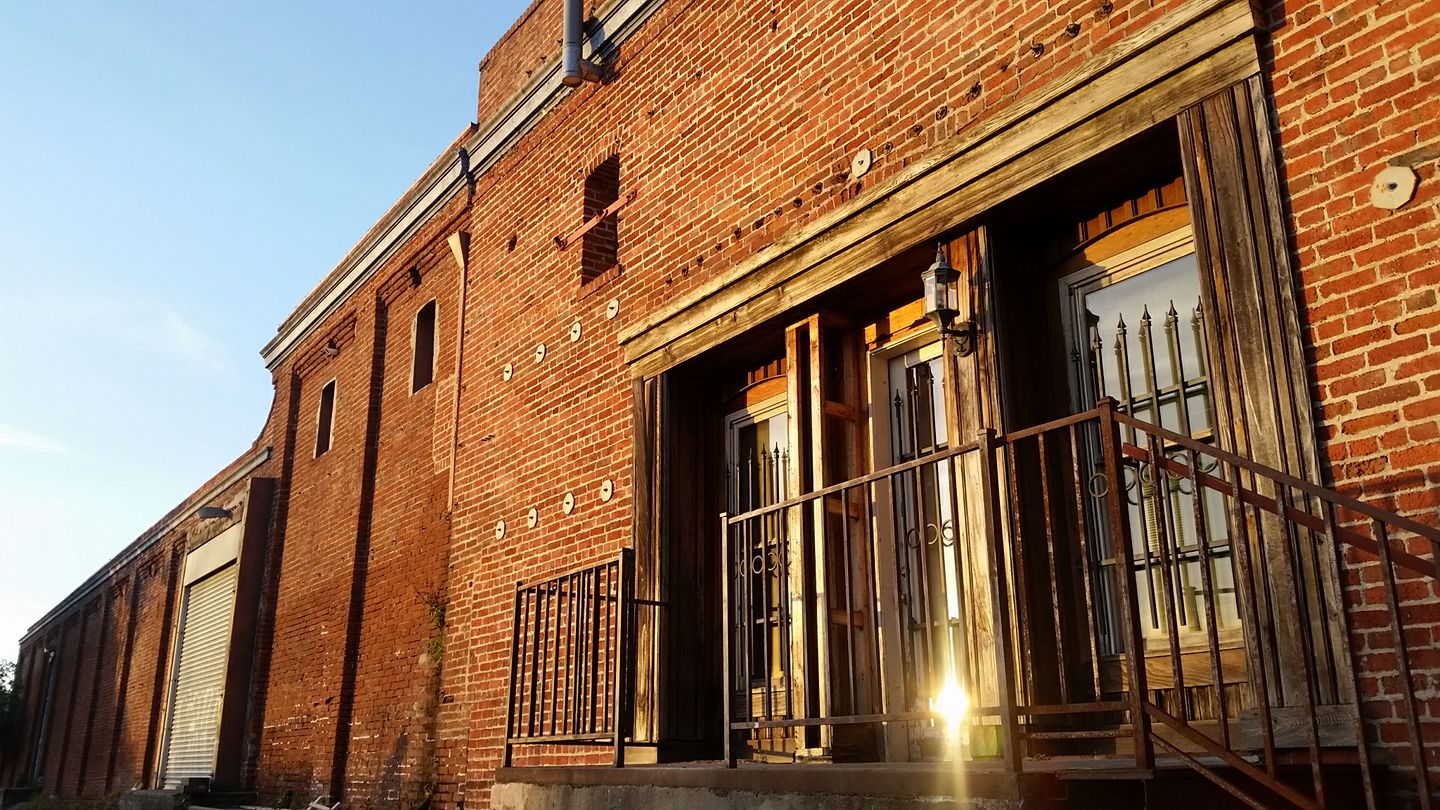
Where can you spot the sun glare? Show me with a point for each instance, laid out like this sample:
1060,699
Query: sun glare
951,704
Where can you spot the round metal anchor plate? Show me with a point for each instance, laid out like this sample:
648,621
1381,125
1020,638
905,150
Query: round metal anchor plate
575,330
860,164
499,530
540,353
532,518
1393,187
568,503
612,309
607,490
507,372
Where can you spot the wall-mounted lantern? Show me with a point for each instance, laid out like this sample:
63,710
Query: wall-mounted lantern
944,302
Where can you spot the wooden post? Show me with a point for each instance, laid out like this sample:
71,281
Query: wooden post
625,654
1000,605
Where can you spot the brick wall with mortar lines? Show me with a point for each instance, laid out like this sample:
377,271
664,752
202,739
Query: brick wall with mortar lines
103,729
1354,90
390,738
149,662
392,746
529,43
311,604
82,699
114,656
734,125
98,743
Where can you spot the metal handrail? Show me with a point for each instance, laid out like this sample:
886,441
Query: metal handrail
1076,511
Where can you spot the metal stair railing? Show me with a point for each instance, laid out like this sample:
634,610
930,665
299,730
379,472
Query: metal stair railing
1242,618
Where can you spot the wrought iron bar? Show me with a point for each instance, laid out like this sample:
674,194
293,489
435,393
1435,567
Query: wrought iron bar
1120,537
1402,658
727,656
1051,541
1168,573
999,601
1307,643
1362,744
567,630
1207,583
1020,576
1091,621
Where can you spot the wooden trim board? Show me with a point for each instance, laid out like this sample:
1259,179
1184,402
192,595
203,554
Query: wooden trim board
1149,78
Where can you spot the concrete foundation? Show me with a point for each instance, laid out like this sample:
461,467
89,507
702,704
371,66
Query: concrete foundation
153,800
765,787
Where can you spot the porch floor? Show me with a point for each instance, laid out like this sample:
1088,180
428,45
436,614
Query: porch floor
1058,782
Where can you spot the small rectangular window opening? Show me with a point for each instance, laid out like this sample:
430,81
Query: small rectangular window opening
600,245
422,369
325,419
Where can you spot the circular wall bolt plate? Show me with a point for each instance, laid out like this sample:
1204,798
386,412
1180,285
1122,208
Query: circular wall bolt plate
575,330
860,164
532,518
568,503
612,309
540,352
607,490
499,530
1393,187
507,372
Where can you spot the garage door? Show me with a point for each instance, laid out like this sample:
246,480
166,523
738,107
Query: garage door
194,724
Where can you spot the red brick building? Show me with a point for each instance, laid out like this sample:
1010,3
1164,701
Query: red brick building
1136,501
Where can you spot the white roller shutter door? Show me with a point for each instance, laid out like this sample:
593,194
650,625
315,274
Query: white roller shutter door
194,724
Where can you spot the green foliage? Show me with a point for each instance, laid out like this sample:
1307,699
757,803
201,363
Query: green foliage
11,706
435,604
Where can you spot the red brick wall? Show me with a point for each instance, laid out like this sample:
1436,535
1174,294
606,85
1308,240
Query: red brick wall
1355,89
103,727
735,124
62,707
521,51
377,500
148,661
401,645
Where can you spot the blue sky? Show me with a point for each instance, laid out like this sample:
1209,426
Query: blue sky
174,177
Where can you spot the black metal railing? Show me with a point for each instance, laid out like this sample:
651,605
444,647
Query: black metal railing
804,600
1097,585
572,659
1337,603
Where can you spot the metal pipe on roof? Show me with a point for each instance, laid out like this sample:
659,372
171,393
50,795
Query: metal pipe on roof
578,69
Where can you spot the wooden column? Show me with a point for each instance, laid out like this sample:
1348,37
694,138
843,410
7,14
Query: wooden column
972,396
1263,394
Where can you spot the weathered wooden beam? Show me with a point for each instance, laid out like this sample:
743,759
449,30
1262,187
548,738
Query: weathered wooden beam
1148,79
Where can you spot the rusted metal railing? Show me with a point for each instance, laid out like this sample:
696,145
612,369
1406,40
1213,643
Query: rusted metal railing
804,596
1142,593
572,659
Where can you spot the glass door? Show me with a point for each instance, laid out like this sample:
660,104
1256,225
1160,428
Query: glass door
1136,334
928,564
758,459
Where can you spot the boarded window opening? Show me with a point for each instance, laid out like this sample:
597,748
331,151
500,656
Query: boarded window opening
600,245
423,338
325,419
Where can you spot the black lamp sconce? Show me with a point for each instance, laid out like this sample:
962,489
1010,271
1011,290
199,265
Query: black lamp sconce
943,302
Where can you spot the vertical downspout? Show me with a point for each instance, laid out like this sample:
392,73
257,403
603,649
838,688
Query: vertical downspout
460,246
51,669
459,243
